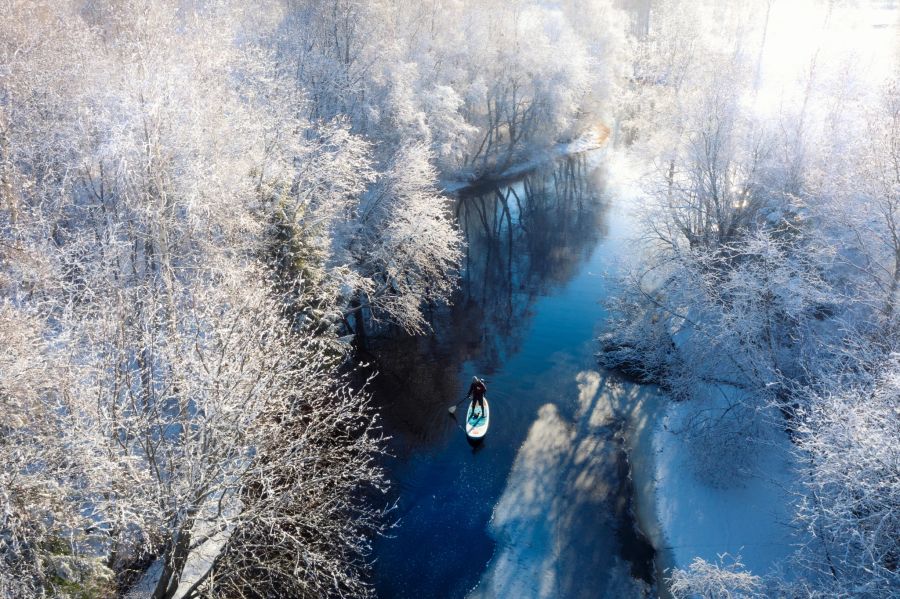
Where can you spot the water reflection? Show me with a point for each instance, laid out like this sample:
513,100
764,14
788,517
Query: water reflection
543,508
524,240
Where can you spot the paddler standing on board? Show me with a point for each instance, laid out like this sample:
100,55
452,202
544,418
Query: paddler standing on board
476,391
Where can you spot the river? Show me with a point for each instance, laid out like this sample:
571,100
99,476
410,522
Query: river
545,506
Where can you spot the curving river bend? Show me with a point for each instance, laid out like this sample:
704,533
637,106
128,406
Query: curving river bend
545,506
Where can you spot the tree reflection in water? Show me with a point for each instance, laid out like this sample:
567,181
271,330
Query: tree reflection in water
524,240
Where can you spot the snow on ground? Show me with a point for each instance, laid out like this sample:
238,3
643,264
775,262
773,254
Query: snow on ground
727,491
147,583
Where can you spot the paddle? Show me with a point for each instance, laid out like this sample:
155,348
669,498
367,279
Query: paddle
452,409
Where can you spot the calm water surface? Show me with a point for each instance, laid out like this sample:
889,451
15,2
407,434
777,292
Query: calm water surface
541,508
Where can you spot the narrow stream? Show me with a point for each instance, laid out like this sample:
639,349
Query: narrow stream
543,507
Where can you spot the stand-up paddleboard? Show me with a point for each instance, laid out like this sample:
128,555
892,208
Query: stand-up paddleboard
477,422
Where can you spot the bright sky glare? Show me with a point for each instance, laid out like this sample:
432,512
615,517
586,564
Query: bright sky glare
856,42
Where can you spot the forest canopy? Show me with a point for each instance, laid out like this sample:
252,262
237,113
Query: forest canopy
200,202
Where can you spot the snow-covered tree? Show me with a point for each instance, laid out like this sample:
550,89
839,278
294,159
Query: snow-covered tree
872,208
851,507
163,393
482,83
406,247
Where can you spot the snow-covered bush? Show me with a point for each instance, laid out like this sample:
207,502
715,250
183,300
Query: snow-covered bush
741,315
725,580
848,439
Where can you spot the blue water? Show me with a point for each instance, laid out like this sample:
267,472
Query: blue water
525,319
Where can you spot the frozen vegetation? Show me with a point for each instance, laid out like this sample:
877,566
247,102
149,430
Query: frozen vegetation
202,202
764,298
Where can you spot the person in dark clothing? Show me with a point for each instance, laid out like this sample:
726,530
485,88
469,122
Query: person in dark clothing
476,391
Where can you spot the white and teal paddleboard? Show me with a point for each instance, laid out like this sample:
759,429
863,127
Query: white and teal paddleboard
477,421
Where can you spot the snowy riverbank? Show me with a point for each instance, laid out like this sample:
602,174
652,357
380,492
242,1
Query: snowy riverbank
594,138
711,475
707,494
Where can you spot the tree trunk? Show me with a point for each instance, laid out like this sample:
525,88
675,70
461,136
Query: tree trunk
174,563
892,290
762,46
359,321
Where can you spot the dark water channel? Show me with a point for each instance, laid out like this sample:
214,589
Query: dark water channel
542,508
